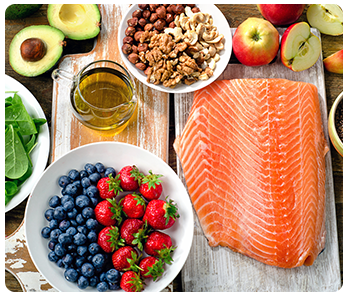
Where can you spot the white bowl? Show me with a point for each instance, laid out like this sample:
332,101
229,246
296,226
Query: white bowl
116,155
223,28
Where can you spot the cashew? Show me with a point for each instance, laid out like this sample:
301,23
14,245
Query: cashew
212,51
217,39
216,57
190,37
209,36
211,63
176,32
219,46
188,11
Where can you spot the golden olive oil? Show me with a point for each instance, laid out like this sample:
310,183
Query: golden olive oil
106,98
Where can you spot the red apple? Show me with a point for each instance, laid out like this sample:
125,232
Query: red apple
281,14
300,48
334,62
255,42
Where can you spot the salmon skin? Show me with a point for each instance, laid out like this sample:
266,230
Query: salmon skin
253,156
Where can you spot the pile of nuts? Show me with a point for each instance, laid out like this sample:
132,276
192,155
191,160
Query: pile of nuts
172,43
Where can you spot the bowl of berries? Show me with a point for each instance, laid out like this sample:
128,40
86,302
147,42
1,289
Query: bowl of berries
109,216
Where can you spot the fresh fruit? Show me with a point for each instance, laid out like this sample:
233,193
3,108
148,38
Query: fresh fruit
108,212
130,178
131,282
300,49
134,232
20,11
159,245
109,187
334,62
76,21
161,214
255,42
133,206
151,267
281,14
109,239
327,18
35,50
151,187
125,258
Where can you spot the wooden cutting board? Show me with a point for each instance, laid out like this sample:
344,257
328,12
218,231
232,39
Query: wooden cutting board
220,269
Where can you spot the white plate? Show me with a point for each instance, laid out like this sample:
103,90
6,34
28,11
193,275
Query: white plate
116,155
40,153
223,28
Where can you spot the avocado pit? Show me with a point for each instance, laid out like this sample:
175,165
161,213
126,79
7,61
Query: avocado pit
33,49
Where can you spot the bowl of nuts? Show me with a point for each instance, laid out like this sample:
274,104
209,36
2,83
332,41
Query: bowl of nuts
175,48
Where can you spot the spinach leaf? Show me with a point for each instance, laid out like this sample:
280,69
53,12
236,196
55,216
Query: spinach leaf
11,190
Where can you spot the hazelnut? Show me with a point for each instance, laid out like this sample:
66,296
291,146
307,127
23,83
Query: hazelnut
142,47
153,7
148,27
143,6
161,12
179,9
170,8
146,14
148,70
169,18
137,13
142,22
196,10
172,24
141,66
130,31
128,40
153,18
138,35
159,24
132,22
134,49
126,49
191,5
133,58
33,49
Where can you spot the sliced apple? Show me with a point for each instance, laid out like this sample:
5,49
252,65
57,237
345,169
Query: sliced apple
327,18
334,62
300,48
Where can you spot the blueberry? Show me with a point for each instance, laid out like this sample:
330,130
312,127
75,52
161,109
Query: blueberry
54,201
78,185
72,248
83,173
93,281
82,201
112,275
91,224
94,248
64,224
79,261
94,177
85,182
87,270
98,261
88,213
71,275
102,286
59,250
52,256
68,260
55,234
73,223
45,232
72,214
80,219
90,168
100,167
79,239
63,181
59,263
66,198
110,170
82,229
92,192
82,250
71,230
113,286
59,213
49,214
51,245
68,205
92,236
73,175
103,277
94,201
53,224
71,190
83,282
65,239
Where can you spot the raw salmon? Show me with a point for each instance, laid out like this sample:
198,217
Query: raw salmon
253,156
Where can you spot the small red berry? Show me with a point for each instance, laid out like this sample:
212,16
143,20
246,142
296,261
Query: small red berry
125,258
130,178
108,212
131,282
109,187
133,206
151,187
151,267
159,245
109,239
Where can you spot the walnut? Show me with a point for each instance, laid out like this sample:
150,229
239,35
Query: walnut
154,56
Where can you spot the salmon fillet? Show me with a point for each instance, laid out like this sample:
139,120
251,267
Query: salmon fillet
253,156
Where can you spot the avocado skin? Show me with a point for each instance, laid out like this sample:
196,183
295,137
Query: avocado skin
19,11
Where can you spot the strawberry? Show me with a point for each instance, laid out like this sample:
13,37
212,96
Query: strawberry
130,178
109,240
151,187
108,212
134,231
125,258
161,214
131,282
109,187
151,267
133,206
159,245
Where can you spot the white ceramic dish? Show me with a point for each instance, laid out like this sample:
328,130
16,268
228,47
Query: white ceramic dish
223,28
40,153
116,155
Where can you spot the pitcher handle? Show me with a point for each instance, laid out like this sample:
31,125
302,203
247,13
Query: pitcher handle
62,76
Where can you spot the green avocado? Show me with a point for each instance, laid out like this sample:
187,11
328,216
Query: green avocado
36,49
19,11
76,21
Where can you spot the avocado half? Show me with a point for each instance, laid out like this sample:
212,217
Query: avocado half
36,49
76,21
19,11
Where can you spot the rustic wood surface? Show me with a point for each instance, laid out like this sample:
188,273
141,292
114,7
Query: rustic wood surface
42,87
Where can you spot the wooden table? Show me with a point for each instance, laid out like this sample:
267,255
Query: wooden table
41,87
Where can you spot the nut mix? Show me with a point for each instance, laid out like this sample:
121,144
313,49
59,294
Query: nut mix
172,43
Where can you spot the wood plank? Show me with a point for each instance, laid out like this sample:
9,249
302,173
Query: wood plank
220,269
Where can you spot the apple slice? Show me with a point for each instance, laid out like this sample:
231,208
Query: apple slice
300,48
334,62
327,18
